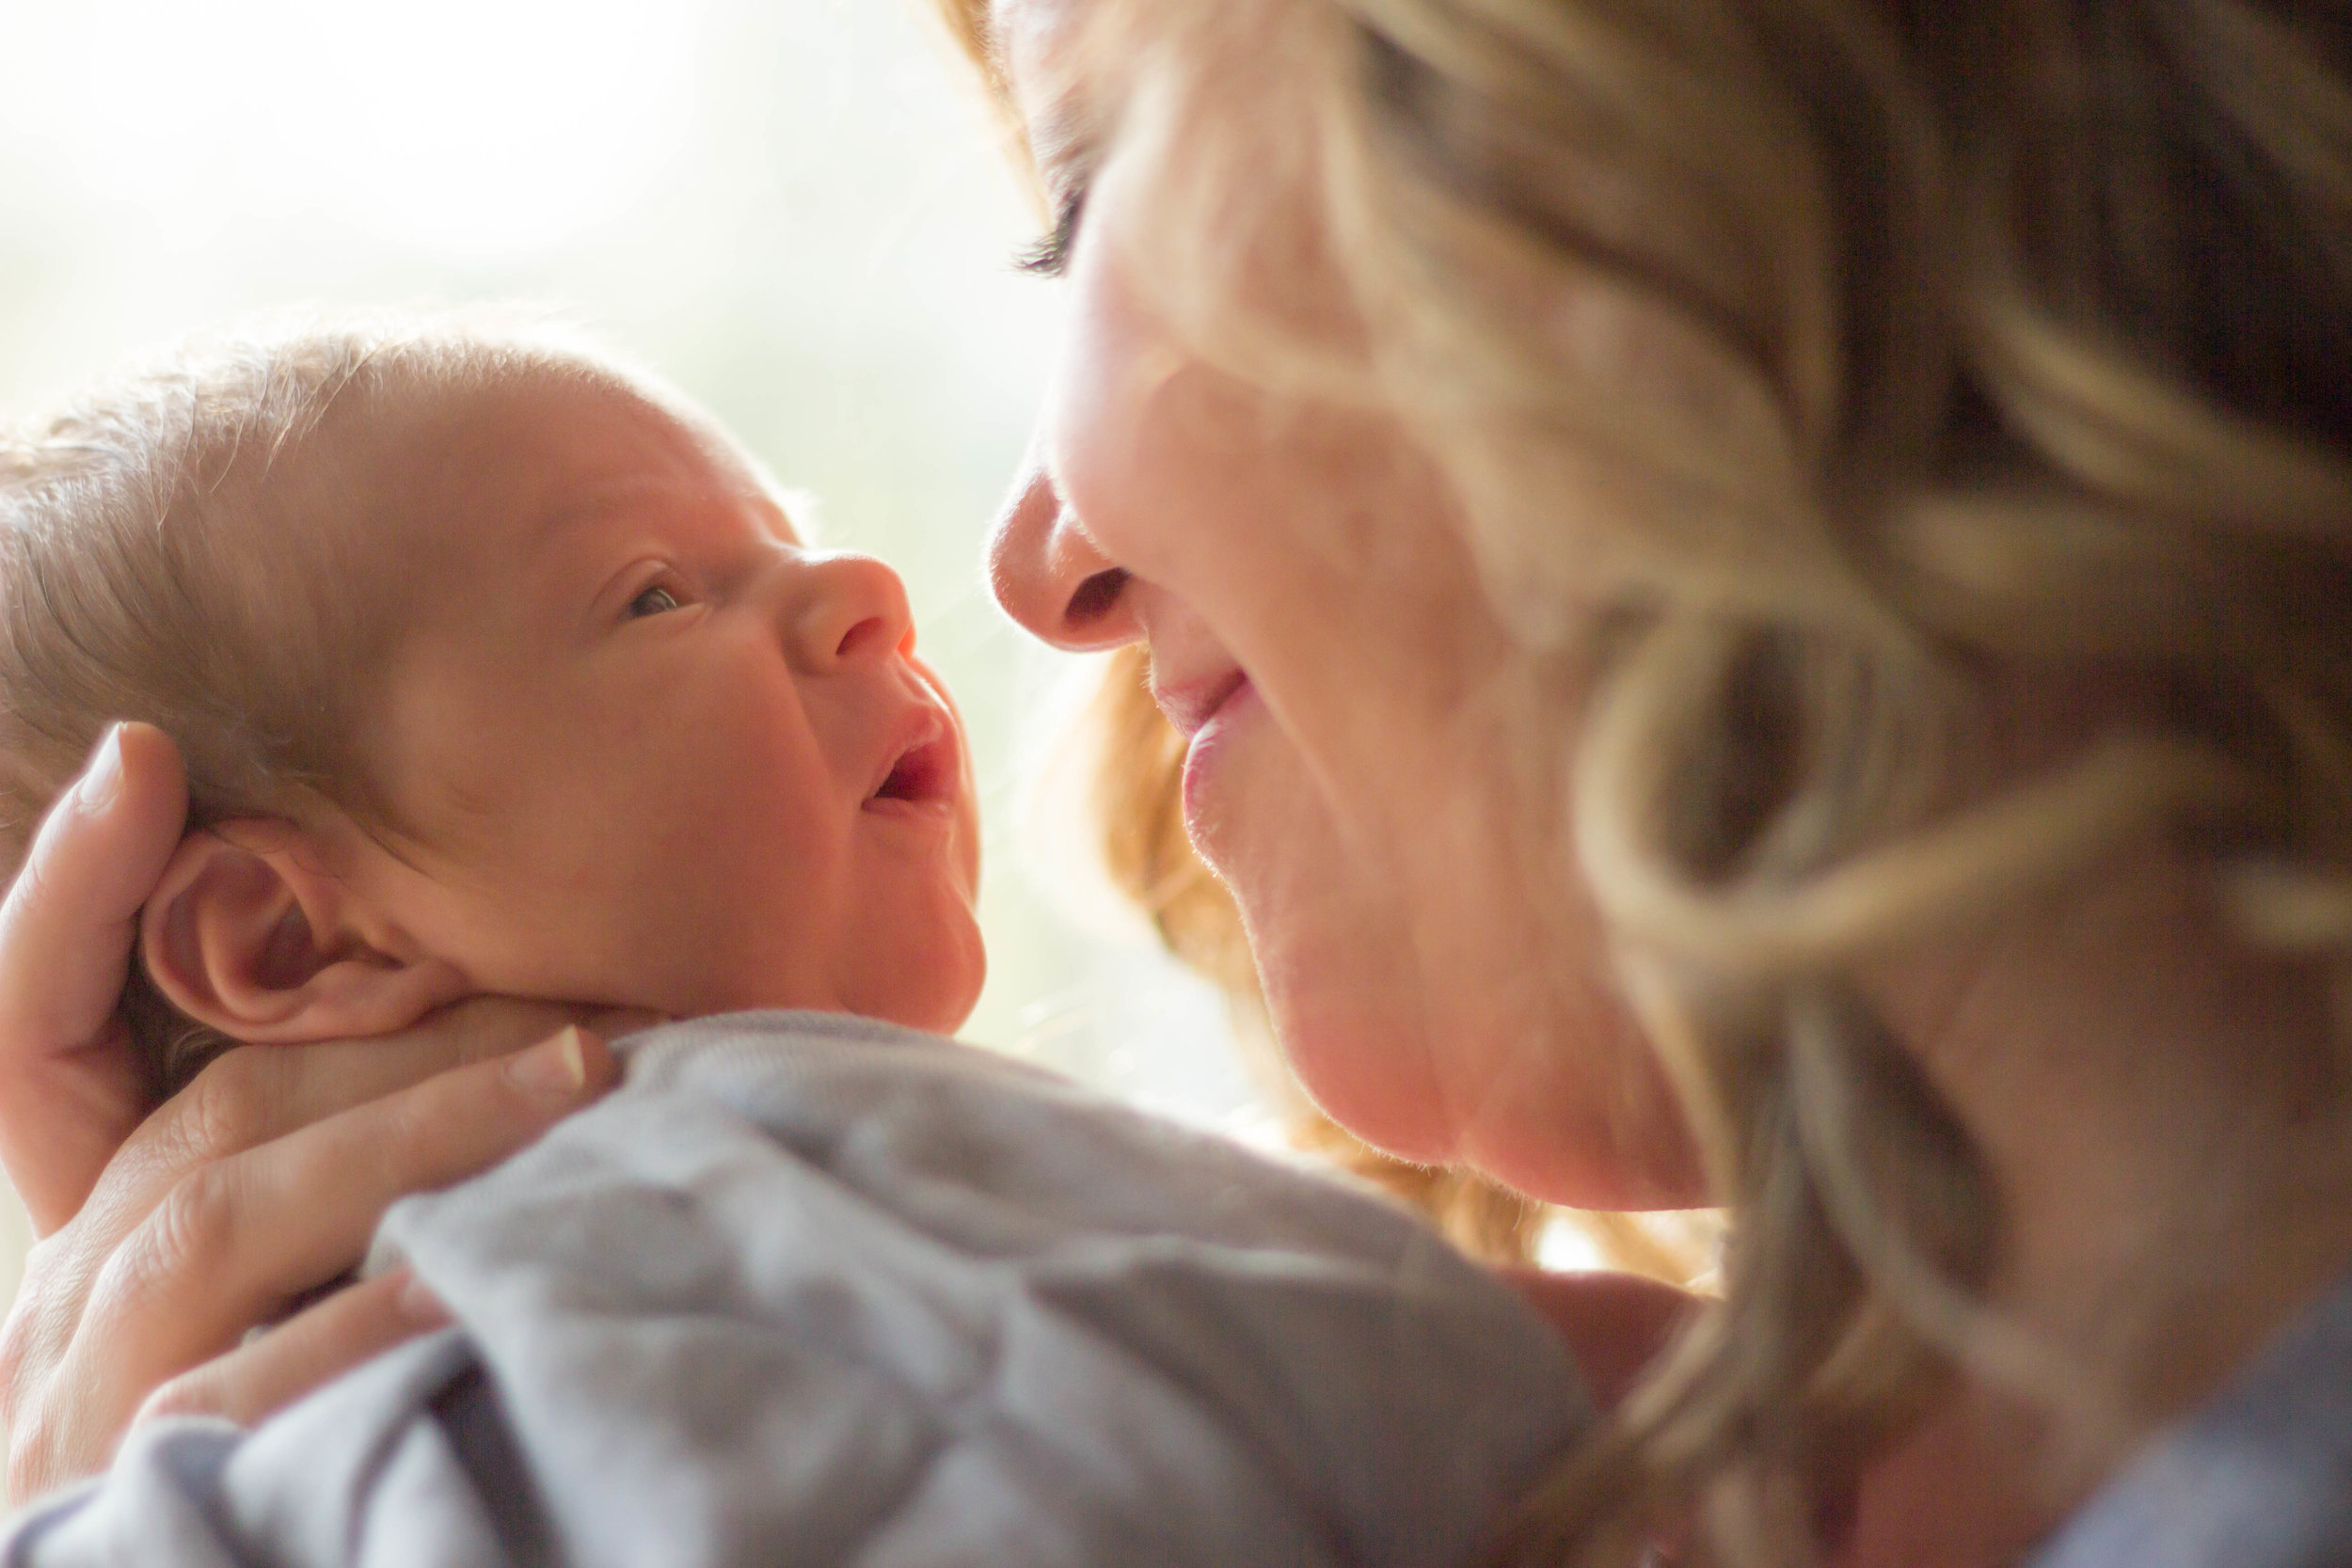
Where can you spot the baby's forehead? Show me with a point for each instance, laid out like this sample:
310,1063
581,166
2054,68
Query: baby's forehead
530,459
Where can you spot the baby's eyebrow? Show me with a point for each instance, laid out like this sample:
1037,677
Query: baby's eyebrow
644,499
792,516
581,509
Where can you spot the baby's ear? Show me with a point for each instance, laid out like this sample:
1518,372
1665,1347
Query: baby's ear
246,935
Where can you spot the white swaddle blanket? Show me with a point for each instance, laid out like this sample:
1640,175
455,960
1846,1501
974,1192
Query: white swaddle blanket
809,1289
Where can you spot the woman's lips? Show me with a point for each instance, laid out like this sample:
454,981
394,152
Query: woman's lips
1190,704
1210,738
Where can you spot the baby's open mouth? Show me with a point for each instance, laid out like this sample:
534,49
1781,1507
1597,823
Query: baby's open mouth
925,773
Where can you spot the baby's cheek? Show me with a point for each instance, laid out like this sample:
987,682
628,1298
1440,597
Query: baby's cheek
910,948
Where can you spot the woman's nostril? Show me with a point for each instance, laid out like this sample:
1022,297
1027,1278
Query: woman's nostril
1094,597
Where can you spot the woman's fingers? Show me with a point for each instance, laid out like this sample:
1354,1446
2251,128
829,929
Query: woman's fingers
94,861
216,1222
238,1238
295,1088
258,1093
69,1089
287,1361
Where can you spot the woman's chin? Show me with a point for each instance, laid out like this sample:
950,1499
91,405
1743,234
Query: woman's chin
1353,1032
1404,1125
1379,1054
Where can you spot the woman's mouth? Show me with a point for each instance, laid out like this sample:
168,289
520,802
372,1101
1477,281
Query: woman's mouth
1208,739
1191,704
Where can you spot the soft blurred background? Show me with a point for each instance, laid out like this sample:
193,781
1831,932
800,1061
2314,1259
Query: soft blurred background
796,209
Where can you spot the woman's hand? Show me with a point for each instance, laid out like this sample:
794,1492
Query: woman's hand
262,1181
165,1238
70,1085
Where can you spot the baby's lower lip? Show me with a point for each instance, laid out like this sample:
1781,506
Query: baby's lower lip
942,808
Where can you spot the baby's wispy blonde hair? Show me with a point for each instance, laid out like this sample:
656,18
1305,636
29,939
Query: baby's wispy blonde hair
202,543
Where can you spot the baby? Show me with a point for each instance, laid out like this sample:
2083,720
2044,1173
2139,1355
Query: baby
498,667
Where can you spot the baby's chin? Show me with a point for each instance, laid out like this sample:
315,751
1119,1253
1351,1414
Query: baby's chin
937,991
926,978
937,1018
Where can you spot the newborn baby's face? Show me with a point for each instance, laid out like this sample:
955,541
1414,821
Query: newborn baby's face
645,747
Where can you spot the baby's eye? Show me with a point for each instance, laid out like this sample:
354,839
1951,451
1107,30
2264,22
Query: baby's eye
653,601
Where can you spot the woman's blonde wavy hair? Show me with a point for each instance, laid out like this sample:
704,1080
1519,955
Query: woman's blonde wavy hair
2027,330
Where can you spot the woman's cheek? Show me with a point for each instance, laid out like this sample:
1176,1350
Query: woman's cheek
1127,459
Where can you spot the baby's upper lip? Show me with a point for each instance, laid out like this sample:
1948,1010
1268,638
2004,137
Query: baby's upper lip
921,759
1191,704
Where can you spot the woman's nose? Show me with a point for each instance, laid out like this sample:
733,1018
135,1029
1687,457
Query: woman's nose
846,608
1052,578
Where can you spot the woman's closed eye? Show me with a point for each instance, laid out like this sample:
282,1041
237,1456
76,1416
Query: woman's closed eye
1050,256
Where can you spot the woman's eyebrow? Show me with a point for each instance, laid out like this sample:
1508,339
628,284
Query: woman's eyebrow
1057,141
1056,128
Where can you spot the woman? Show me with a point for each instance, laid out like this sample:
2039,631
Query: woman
1954,775
1758,595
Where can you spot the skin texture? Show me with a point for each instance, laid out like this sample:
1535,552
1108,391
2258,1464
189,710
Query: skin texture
757,695
165,1237
262,1182
1367,789
1369,799
2139,1084
633,754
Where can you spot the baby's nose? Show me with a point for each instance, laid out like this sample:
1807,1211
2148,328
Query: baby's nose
847,607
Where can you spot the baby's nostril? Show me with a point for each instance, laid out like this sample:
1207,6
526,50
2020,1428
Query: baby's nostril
871,635
1095,597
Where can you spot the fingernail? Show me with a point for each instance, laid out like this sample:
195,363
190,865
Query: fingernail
558,1065
101,781
419,1304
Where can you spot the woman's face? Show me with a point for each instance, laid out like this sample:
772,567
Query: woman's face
1368,767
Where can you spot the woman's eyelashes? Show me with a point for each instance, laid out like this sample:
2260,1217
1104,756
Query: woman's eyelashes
1050,256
